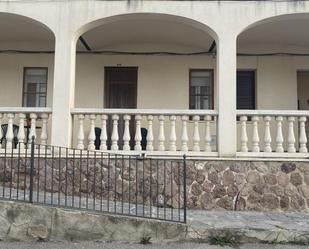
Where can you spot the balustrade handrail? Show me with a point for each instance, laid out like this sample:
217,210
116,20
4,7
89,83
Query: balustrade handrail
177,112
25,110
295,113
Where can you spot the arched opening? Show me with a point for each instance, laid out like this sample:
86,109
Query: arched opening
273,66
27,65
143,61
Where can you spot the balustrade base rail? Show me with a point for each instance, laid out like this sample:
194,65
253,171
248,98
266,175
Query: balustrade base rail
95,181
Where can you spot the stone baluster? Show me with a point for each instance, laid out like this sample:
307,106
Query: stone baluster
302,135
103,136
138,133
115,136
255,135
126,133
184,134
80,133
21,131
161,137
243,135
149,146
196,134
1,134
291,136
279,137
32,132
172,138
91,137
267,134
207,134
9,133
44,133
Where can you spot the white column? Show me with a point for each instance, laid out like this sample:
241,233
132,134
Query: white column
44,134
243,135
126,133
173,137
21,131
103,136
302,135
80,134
196,134
63,87
291,136
138,133
279,137
9,132
115,136
161,137
91,137
226,94
184,134
255,135
149,146
207,134
267,134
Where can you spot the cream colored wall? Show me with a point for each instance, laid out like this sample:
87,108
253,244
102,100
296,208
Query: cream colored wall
11,76
157,76
163,81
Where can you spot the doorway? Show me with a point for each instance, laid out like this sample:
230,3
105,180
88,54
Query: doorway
121,93
303,94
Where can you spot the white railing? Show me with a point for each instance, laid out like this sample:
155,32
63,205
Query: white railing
169,132
272,133
19,124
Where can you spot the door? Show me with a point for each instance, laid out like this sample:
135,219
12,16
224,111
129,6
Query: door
303,94
121,92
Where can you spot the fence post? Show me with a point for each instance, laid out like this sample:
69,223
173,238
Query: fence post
31,170
184,189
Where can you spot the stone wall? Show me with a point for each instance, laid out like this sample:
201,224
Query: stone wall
248,185
211,185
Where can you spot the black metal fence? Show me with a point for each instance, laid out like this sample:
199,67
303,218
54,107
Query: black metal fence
95,181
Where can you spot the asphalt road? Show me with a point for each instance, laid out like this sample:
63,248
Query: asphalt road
104,245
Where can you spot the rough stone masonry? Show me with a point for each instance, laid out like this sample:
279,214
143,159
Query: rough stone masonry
211,185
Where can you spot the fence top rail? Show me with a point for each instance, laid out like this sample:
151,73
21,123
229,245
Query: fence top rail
295,113
25,110
176,112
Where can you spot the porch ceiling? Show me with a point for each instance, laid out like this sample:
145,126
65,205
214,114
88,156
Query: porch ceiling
290,35
147,35
18,32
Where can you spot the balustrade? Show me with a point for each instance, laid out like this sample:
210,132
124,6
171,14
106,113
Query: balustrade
282,131
166,131
19,125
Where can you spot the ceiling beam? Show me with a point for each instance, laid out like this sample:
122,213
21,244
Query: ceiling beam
212,47
84,42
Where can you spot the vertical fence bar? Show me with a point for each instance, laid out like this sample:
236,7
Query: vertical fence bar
184,190
31,170
18,172
52,176
38,177
73,177
45,173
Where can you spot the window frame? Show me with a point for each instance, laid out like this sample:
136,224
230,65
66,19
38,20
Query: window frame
24,93
191,70
255,85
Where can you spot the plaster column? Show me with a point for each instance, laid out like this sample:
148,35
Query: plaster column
64,89
226,95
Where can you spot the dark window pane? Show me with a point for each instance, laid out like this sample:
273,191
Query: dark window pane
246,90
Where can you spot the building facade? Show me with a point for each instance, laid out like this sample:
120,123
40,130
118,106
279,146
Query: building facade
164,78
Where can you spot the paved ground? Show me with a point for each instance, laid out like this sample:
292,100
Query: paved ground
98,245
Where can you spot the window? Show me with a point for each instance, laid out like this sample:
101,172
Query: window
201,89
35,87
246,90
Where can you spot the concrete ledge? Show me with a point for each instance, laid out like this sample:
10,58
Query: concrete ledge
26,222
